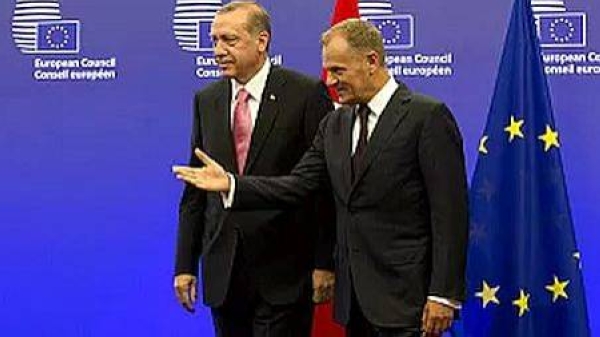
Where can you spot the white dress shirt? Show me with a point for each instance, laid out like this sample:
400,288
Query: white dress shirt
255,88
376,105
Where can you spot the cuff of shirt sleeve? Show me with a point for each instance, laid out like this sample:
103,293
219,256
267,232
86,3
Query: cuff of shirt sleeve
228,197
451,303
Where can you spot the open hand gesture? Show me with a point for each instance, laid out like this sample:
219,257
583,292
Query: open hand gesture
212,177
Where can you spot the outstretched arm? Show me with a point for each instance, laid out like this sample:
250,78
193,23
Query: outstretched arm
263,192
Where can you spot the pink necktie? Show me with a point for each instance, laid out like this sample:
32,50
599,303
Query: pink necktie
242,128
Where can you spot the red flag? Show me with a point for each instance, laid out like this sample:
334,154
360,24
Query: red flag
323,324
344,9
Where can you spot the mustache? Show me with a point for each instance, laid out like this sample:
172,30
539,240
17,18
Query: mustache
223,60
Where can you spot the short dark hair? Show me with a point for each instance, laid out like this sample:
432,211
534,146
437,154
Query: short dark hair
360,35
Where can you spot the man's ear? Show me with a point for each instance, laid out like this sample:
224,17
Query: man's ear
263,41
373,61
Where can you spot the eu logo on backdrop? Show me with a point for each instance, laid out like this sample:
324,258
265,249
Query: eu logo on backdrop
39,28
399,35
562,30
397,30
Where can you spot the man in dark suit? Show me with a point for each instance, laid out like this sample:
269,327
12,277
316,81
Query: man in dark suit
257,266
395,163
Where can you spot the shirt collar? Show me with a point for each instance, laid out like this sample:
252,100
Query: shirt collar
378,103
256,85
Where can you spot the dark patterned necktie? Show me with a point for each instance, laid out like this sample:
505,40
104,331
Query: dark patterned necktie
361,147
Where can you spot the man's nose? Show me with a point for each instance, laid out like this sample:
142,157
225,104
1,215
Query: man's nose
218,48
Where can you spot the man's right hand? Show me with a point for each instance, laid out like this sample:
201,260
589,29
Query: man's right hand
186,290
212,177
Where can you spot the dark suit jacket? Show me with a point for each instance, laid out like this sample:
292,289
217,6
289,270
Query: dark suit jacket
402,225
282,246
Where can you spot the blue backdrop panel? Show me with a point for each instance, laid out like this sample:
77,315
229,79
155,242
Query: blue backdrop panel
95,106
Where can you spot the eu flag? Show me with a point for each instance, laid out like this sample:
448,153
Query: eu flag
524,276
58,36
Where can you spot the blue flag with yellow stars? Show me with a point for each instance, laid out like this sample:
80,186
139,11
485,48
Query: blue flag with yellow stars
524,269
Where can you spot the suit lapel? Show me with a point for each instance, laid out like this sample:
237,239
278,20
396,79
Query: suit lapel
270,106
222,126
393,113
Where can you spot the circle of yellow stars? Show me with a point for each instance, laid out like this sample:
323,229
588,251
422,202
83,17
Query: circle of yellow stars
64,35
561,35
514,129
394,27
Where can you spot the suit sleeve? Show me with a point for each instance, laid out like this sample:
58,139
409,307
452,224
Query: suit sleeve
191,210
442,164
318,105
308,176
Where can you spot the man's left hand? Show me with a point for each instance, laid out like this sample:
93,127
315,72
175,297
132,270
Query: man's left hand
437,318
323,283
